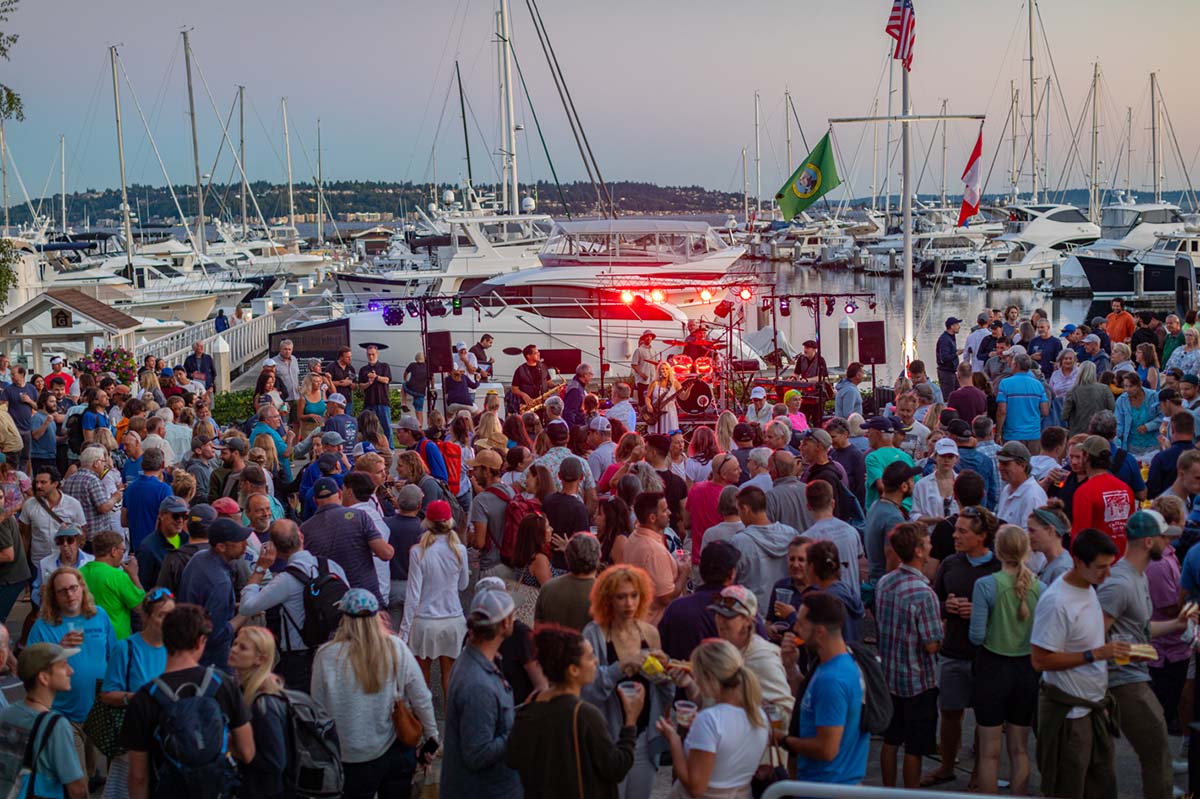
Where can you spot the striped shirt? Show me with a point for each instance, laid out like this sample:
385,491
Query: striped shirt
909,617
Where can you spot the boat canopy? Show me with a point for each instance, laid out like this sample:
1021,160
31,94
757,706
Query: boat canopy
636,225
65,246
604,240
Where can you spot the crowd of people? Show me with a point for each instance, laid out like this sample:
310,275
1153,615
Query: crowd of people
269,607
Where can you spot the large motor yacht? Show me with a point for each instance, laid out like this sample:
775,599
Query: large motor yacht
1126,229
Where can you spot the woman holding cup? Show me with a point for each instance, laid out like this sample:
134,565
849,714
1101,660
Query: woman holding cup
725,741
628,648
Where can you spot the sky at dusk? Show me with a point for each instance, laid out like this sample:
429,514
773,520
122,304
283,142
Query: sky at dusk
665,88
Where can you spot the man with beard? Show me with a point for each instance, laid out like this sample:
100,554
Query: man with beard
224,482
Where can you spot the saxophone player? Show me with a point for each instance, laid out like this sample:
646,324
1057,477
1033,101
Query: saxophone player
531,378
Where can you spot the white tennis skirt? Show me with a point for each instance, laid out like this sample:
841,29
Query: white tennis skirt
437,638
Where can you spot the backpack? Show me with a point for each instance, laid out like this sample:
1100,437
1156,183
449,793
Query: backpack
193,736
321,595
877,699
75,440
315,768
18,760
452,454
518,508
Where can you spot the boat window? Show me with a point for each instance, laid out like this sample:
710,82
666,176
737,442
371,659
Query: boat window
1116,222
1162,216
167,271
1071,215
1167,245
636,245
673,243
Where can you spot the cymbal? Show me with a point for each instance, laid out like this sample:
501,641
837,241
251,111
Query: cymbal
673,342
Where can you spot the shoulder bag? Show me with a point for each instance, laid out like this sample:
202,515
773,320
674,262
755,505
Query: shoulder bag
406,724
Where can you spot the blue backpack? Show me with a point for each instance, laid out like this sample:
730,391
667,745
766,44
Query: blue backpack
193,735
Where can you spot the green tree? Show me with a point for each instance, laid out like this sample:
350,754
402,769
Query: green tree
9,257
10,101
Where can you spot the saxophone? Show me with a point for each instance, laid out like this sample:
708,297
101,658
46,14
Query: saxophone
537,402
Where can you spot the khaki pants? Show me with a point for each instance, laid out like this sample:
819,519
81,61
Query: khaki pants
1077,776
1145,728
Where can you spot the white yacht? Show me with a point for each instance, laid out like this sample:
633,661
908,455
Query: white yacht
1127,229
1035,238
263,257
945,251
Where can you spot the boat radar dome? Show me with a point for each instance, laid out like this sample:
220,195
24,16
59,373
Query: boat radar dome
432,208
448,197
528,205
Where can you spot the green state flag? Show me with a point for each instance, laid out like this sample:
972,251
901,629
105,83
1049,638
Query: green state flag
816,177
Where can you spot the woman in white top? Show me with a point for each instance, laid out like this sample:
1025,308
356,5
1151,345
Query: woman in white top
933,495
701,452
357,678
434,624
727,739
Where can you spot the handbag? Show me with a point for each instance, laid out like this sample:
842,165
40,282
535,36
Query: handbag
575,735
768,774
406,724
103,723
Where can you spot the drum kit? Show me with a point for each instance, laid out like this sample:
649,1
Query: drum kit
696,375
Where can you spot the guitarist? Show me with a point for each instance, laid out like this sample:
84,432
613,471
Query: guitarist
531,378
662,414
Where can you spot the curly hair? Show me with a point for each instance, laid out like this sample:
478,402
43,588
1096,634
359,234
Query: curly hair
50,611
606,586
556,649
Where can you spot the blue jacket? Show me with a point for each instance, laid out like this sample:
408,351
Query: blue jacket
947,352
847,399
985,467
479,716
150,557
202,364
308,479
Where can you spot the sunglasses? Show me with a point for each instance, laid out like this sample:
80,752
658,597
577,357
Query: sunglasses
180,515
730,603
159,594
971,512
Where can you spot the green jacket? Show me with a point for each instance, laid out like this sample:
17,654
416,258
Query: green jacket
1056,704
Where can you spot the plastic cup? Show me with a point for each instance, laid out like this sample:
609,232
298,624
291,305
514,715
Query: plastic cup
629,688
1122,637
784,595
776,717
684,712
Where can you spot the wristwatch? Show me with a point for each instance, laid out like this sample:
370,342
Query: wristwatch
260,569
1089,657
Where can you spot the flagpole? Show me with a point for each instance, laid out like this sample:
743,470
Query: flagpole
908,346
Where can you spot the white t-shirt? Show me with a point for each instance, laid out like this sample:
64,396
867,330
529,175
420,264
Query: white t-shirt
1069,619
696,471
44,526
726,731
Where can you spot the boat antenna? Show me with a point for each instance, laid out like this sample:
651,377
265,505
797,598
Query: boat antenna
462,106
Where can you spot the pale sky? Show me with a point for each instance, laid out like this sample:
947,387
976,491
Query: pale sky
665,88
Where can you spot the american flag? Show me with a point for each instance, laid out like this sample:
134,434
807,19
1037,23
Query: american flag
902,26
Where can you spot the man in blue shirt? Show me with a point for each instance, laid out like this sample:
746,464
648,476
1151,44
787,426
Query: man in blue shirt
340,422
1044,348
826,734
268,422
168,535
22,401
142,498
208,581
199,365
131,447
1021,402
848,399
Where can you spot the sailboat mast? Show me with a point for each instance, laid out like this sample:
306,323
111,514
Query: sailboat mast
4,172
510,132
187,58
745,191
874,155
242,155
62,158
1013,116
503,113
887,150
1094,187
320,190
1154,153
287,146
126,224
462,107
1128,149
787,126
757,162
909,344
944,102
1032,105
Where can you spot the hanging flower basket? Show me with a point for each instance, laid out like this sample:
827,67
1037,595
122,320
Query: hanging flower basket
117,360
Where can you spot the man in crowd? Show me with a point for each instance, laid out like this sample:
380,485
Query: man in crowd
566,599
1044,348
22,402
645,549
225,478
344,377
345,536
826,527
573,398
967,399
43,514
623,409
602,446
972,349
886,513
1021,402
143,497
687,620
113,584
1021,494
199,464
882,454
1121,324
847,399
564,508
374,378
759,411
1094,352
786,502
947,353
763,544
207,581
1163,467
199,366
1103,502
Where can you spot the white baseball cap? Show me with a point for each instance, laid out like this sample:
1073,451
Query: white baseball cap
758,392
945,446
462,345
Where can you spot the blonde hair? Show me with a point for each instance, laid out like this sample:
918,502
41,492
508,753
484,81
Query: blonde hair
104,437
259,679
205,427
50,611
717,664
183,484
368,647
491,433
725,424
1012,548
264,442
1172,508
433,530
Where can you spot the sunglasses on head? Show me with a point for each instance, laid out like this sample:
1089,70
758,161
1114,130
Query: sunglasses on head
730,603
159,594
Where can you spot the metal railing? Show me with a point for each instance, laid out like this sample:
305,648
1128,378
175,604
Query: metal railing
179,340
247,341
822,790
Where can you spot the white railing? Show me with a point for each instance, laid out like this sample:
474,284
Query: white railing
786,788
179,340
247,341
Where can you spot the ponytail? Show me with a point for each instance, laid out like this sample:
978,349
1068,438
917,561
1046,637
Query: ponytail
751,692
717,664
1012,548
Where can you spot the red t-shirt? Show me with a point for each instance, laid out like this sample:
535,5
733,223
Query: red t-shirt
1104,502
702,511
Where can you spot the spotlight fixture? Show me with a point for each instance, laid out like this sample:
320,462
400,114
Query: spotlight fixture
627,296
657,295
374,306
456,305
851,307
871,305
412,308
723,309
829,301
705,295
746,295
435,308
785,306
393,315
766,303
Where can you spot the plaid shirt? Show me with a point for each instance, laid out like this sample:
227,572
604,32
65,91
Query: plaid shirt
86,487
909,617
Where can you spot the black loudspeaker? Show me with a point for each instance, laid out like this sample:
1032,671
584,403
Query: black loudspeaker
872,343
437,351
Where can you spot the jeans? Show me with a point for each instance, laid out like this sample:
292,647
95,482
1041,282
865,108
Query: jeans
9,594
389,775
640,779
1142,725
384,414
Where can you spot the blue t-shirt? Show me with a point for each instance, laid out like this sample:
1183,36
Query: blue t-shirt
46,447
834,699
18,410
285,464
134,663
57,763
131,471
207,581
1024,395
142,499
93,420
90,665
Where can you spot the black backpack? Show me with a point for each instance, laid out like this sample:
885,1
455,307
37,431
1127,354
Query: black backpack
75,440
315,761
321,595
193,735
877,699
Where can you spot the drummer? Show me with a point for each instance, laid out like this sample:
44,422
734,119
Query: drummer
645,365
810,367
697,344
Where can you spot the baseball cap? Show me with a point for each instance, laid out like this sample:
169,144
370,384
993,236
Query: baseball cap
995,324
68,531
953,320
600,424
202,516
491,459
945,446
492,605
809,344
358,602
1091,338
56,360
199,441
1192,379
173,504
167,372
332,439
238,444
897,473
410,497
1016,350
570,470
758,392
1098,320
227,531
743,432
328,462
1145,524
1095,445
336,399
1014,451
818,435
325,488
225,506
1067,329
735,600
925,391
880,423
36,658
409,423
269,362
438,511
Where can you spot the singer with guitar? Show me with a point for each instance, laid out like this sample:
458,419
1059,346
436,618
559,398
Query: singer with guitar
662,414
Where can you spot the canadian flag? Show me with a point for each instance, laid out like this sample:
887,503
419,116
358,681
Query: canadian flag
973,178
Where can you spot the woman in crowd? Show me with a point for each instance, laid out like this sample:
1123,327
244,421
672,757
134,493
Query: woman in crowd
677,457
981,382
515,432
270,459
1147,364
1005,684
434,624
183,485
252,656
148,383
312,398
628,487
701,452
1187,357
793,400
660,401
135,661
1062,380
1085,400
933,495
726,421
461,434
358,678
265,393
516,461
490,435
613,529
1122,358
622,638
1138,417
824,570
539,483
726,739
533,427
561,745
531,559
370,431
631,448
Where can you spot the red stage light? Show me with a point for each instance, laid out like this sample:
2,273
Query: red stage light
705,295
746,294
626,296
657,295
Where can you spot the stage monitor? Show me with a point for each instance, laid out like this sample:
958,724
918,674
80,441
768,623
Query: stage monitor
872,343
438,354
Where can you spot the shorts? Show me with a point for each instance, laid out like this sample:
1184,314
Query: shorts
418,400
914,723
1006,691
954,683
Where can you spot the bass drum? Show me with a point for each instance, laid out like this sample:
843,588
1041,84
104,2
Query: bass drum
695,396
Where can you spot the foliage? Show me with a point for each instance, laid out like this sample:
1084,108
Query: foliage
9,258
233,407
117,360
10,101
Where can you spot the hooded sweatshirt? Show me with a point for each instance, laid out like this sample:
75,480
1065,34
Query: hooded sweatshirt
764,557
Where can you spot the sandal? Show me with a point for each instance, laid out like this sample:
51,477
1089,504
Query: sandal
936,778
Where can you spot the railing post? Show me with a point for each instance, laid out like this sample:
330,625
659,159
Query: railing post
220,352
